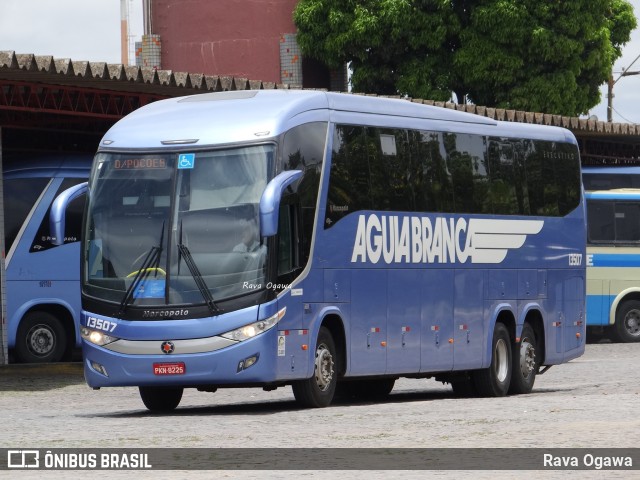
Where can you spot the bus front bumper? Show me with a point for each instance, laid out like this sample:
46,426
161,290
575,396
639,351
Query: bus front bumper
249,362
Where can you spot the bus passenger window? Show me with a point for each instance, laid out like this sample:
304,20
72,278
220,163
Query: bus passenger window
20,195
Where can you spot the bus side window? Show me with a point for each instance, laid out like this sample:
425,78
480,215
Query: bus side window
286,243
600,221
627,217
303,149
20,195
350,177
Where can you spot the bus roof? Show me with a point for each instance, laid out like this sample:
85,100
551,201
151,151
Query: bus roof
229,117
47,165
615,194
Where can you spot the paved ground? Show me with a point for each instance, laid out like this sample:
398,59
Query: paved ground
590,402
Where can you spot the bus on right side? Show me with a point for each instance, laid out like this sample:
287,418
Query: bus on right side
613,252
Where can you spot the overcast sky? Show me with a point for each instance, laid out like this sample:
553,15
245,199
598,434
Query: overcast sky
90,30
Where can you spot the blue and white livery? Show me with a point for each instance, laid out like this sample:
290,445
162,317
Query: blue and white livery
330,242
613,263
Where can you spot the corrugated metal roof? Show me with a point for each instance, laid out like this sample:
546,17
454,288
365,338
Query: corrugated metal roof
123,78
117,77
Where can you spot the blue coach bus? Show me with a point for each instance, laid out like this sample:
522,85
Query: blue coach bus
42,280
330,242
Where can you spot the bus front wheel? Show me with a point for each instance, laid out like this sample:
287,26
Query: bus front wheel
494,381
41,338
318,391
161,399
627,327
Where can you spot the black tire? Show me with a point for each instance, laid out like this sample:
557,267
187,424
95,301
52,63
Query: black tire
161,399
526,360
597,334
464,387
627,327
318,391
41,338
494,381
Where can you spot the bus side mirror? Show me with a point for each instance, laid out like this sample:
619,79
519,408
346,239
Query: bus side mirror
270,201
59,209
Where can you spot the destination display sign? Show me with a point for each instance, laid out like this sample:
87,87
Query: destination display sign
139,163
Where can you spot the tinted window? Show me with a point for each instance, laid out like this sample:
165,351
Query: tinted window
611,221
20,194
605,181
421,171
303,149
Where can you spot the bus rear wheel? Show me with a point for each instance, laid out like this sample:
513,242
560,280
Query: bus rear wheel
627,327
161,399
41,338
494,381
318,391
526,360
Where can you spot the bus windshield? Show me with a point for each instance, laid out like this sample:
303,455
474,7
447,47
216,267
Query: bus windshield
176,228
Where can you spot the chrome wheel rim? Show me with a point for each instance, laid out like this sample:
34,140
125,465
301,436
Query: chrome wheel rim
501,367
323,367
40,340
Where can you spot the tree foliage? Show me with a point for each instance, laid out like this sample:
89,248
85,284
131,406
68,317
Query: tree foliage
538,55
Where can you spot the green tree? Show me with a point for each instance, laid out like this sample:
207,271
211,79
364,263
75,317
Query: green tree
538,55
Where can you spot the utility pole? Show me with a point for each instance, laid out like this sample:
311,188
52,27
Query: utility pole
611,83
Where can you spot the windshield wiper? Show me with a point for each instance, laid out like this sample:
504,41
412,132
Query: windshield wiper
151,263
197,277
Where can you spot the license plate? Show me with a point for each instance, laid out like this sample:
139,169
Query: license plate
169,368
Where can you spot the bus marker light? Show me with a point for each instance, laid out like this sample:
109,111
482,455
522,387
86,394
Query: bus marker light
305,347
99,368
578,335
247,362
250,361
451,340
383,344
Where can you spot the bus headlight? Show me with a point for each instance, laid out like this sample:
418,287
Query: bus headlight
96,336
249,331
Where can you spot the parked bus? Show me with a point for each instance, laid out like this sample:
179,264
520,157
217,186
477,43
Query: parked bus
42,279
610,177
328,242
613,261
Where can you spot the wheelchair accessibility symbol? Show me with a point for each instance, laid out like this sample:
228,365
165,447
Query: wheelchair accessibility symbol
186,160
